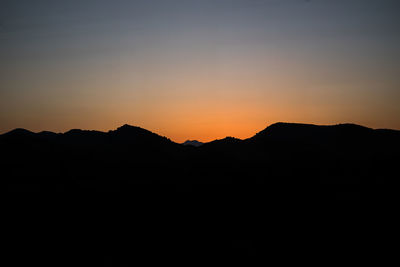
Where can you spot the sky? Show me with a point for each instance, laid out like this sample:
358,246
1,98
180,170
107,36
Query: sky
198,69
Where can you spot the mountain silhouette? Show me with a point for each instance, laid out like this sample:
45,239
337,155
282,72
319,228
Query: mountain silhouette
226,188
325,161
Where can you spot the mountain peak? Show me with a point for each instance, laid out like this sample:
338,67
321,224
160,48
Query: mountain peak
130,128
192,143
126,126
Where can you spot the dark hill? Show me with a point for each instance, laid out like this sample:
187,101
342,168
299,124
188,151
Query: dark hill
132,135
294,132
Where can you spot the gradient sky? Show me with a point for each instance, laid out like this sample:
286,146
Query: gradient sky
198,69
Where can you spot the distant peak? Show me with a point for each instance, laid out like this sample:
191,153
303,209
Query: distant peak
192,143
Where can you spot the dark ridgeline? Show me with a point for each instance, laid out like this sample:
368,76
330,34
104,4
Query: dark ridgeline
285,160
235,197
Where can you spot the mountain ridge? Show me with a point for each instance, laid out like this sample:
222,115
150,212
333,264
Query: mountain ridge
126,129
290,160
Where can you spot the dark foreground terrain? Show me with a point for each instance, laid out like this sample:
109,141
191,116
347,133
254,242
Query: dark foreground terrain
227,199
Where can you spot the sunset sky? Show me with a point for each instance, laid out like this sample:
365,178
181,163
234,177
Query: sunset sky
198,69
